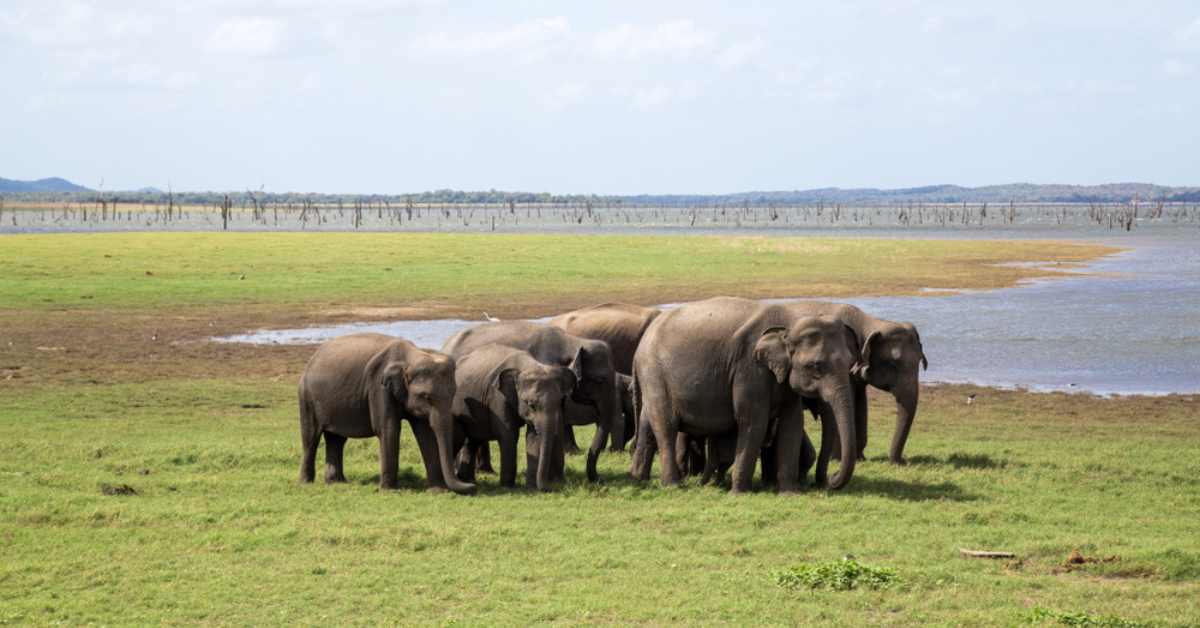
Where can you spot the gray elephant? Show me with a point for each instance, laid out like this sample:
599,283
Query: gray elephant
364,385
621,325
891,360
735,365
590,359
500,391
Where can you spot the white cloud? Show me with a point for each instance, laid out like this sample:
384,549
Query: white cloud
659,95
1189,36
738,54
564,96
1175,67
677,38
252,36
531,39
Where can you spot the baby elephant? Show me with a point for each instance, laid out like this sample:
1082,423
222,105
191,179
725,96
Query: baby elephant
500,390
363,385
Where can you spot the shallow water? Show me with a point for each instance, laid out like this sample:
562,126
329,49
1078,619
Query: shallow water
1131,326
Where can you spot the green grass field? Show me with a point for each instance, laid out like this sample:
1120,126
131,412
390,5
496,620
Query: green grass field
219,532
157,270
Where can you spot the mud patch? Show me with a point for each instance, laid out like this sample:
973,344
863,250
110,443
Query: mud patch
116,489
383,312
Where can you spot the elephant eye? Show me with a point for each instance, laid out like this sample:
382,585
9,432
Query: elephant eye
815,368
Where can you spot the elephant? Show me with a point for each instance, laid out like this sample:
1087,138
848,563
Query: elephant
891,360
735,365
501,390
579,414
621,325
363,385
590,359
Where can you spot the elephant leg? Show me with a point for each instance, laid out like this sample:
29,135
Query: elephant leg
465,468
310,437
683,457
752,417
643,453
483,458
665,432
427,443
594,450
789,443
508,459
569,444
334,445
389,454
769,459
860,418
711,461
808,456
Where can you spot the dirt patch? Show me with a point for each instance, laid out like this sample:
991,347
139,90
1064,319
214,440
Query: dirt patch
117,489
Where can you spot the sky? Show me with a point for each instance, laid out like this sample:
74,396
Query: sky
395,96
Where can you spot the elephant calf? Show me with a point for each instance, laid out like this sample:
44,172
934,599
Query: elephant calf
501,390
364,385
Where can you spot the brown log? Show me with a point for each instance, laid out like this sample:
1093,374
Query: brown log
985,554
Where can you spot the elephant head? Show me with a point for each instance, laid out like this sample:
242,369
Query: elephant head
891,360
539,395
423,385
593,368
813,358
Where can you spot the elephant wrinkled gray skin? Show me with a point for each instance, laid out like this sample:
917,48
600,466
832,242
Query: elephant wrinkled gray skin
621,325
579,414
735,365
501,390
891,360
591,361
364,385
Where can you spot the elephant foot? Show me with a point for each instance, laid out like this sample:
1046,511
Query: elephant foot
899,461
335,479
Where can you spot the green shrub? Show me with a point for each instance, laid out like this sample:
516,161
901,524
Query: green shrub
836,575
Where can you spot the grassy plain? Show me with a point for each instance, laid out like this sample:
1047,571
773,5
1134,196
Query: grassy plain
121,389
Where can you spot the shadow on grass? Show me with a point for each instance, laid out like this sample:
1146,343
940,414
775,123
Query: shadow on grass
964,461
907,491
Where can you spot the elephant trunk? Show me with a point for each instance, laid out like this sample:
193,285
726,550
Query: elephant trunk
442,423
549,428
843,413
907,395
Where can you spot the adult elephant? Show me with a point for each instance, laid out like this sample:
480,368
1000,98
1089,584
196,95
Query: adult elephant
891,360
502,390
621,325
364,385
734,365
590,360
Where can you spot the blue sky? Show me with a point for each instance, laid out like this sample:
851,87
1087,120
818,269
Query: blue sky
604,97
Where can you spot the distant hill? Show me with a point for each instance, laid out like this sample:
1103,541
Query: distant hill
53,184
56,189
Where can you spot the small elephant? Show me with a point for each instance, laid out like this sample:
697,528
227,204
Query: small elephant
735,365
591,359
501,390
364,385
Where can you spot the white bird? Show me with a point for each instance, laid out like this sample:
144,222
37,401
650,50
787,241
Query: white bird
489,318
970,399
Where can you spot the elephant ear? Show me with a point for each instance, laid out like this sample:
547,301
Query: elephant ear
852,343
920,349
772,352
392,379
863,368
506,383
568,381
576,365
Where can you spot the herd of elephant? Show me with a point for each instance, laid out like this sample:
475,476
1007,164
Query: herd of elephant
708,386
